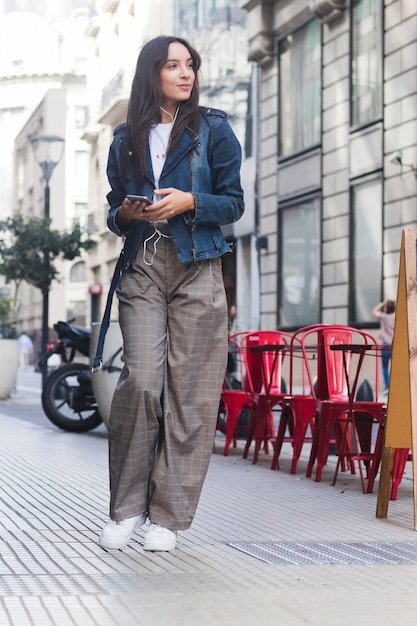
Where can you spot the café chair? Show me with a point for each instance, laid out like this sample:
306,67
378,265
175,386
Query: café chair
299,404
234,397
327,382
339,413
265,352
307,383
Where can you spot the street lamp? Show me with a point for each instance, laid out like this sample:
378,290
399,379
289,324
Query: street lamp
48,151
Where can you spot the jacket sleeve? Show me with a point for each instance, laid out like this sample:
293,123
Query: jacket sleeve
225,204
117,194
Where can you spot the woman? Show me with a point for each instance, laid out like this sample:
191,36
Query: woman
172,305
385,312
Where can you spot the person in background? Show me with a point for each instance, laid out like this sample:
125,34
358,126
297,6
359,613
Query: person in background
25,350
172,301
385,312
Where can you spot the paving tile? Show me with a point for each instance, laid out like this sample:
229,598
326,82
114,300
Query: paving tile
54,502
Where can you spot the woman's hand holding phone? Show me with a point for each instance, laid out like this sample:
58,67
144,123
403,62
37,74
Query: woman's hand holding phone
173,202
131,209
135,207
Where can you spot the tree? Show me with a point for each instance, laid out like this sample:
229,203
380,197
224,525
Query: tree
29,247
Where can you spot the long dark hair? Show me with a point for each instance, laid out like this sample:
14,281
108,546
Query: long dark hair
146,98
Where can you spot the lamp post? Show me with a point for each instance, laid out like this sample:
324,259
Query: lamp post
48,151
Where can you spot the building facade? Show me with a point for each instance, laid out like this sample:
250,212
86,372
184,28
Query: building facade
337,155
217,28
43,90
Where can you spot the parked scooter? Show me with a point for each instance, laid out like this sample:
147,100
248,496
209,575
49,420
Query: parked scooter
67,395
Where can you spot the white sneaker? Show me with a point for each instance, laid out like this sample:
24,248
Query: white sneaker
160,539
116,535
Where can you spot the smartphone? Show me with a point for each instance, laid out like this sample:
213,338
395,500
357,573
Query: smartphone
133,198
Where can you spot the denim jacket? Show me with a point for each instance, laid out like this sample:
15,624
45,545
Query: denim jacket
207,165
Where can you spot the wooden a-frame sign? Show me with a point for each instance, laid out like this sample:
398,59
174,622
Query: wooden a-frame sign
401,421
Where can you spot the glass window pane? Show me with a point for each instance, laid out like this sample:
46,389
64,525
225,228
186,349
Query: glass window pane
299,289
78,272
186,17
300,89
366,73
366,278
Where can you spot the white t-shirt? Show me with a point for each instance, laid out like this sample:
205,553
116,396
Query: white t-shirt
158,144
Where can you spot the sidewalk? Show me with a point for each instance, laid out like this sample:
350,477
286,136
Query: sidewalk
326,559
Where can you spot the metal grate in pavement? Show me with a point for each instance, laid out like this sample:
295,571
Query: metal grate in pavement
328,553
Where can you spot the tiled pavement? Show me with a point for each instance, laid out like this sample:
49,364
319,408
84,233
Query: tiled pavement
326,559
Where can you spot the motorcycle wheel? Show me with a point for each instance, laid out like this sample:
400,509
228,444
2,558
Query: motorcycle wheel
68,399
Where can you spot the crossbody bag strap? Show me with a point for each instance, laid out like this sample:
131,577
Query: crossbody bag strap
98,359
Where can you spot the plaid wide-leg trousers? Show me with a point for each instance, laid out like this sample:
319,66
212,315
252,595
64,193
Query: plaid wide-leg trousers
173,318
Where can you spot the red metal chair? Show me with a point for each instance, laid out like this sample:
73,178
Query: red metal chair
234,400
299,405
338,412
265,352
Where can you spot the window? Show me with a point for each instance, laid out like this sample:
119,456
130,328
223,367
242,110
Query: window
366,249
300,89
366,70
192,15
186,17
78,272
80,215
299,287
81,116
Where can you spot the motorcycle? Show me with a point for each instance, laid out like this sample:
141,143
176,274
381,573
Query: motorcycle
67,395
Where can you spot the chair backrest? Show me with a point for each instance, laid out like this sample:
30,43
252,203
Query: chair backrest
323,374
264,364
237,344
237,337
325,367
305,366
335,362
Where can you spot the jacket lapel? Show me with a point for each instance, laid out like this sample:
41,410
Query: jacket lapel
185,144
